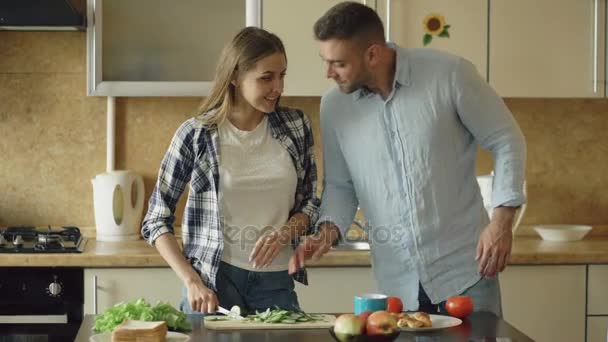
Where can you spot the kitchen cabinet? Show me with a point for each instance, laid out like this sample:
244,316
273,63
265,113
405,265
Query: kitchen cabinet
293,22
597,329
546,303
332,289
597,297
158,48
547,48
597,304
467,20
114,285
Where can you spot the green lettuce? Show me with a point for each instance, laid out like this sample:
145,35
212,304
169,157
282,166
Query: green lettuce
139,309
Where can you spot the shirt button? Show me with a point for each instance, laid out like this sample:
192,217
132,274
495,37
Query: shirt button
392,134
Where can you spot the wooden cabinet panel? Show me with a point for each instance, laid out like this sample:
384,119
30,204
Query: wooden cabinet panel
292,21
546,303
597,296
547,48
468,31
116,285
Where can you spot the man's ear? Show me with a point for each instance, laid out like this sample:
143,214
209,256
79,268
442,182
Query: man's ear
372,54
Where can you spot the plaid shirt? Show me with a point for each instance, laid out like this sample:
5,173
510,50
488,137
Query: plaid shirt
193,158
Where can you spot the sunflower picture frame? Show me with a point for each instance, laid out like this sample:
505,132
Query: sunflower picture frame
434,25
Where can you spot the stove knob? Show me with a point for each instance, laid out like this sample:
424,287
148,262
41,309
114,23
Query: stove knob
54,289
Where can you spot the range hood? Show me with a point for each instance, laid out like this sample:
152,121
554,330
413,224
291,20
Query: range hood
40,15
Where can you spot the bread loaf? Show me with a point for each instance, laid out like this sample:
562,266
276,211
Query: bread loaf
140,331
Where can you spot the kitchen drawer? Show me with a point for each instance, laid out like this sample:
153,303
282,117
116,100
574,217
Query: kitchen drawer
597,293
332,289
597,328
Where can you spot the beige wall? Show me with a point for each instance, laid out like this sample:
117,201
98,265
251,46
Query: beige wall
52,139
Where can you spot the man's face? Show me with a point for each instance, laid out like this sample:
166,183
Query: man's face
345,64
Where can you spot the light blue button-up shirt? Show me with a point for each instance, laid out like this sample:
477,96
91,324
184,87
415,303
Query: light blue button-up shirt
409,162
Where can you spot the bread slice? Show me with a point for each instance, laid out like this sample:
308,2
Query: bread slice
140,331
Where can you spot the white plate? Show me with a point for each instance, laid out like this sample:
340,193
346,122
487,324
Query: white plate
439,322
172,336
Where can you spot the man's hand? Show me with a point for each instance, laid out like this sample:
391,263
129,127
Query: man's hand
494,246
201,298
314,246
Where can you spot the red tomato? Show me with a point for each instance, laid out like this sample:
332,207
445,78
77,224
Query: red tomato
459,306
394,304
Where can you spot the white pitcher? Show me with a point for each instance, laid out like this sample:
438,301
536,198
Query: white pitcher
118,198
485,185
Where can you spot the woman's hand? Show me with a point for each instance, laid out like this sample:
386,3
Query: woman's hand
268,247
201,298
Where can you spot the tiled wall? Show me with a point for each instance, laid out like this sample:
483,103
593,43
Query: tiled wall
52,139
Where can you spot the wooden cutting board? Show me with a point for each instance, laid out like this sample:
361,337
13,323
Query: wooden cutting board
328,321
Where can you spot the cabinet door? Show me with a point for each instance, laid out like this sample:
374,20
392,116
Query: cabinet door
467,21
597,329
546,303
156,47
547,48
332,290
116,285
597,296
292,21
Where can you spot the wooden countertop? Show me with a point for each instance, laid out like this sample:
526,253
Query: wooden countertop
480,326
527,250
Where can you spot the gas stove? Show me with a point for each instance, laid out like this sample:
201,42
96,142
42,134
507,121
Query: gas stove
41,240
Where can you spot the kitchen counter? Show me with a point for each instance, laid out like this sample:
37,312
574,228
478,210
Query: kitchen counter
527,250
478,327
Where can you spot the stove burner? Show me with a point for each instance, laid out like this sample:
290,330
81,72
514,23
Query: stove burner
49,239
18,241
41,240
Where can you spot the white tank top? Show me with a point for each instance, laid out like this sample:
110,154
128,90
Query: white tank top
257,190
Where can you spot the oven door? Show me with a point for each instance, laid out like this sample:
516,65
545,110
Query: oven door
38,332
32,310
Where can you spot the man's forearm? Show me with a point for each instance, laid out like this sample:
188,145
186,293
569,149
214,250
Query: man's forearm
503,216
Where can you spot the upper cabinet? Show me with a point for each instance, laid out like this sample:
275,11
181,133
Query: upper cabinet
459,27
547,48
158,47
293,21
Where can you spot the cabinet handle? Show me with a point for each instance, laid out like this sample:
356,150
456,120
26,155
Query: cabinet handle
595,44
95,294
388,20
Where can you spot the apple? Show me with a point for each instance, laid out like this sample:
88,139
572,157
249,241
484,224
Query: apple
347,326
381,323
364,315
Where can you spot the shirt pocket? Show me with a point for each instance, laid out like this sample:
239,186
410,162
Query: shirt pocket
202,174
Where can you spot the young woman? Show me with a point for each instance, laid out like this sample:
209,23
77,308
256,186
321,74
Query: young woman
252,185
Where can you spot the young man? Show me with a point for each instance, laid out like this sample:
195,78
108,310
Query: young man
400,137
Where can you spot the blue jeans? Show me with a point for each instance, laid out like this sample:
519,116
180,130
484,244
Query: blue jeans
250,290
485,294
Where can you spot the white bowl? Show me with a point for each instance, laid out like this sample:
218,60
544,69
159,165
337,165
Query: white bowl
562,232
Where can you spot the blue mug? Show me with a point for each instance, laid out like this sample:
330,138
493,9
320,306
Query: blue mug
369,302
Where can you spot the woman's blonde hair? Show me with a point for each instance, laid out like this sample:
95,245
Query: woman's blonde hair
249,46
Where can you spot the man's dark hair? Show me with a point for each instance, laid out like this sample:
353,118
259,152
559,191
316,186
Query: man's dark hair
348,20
